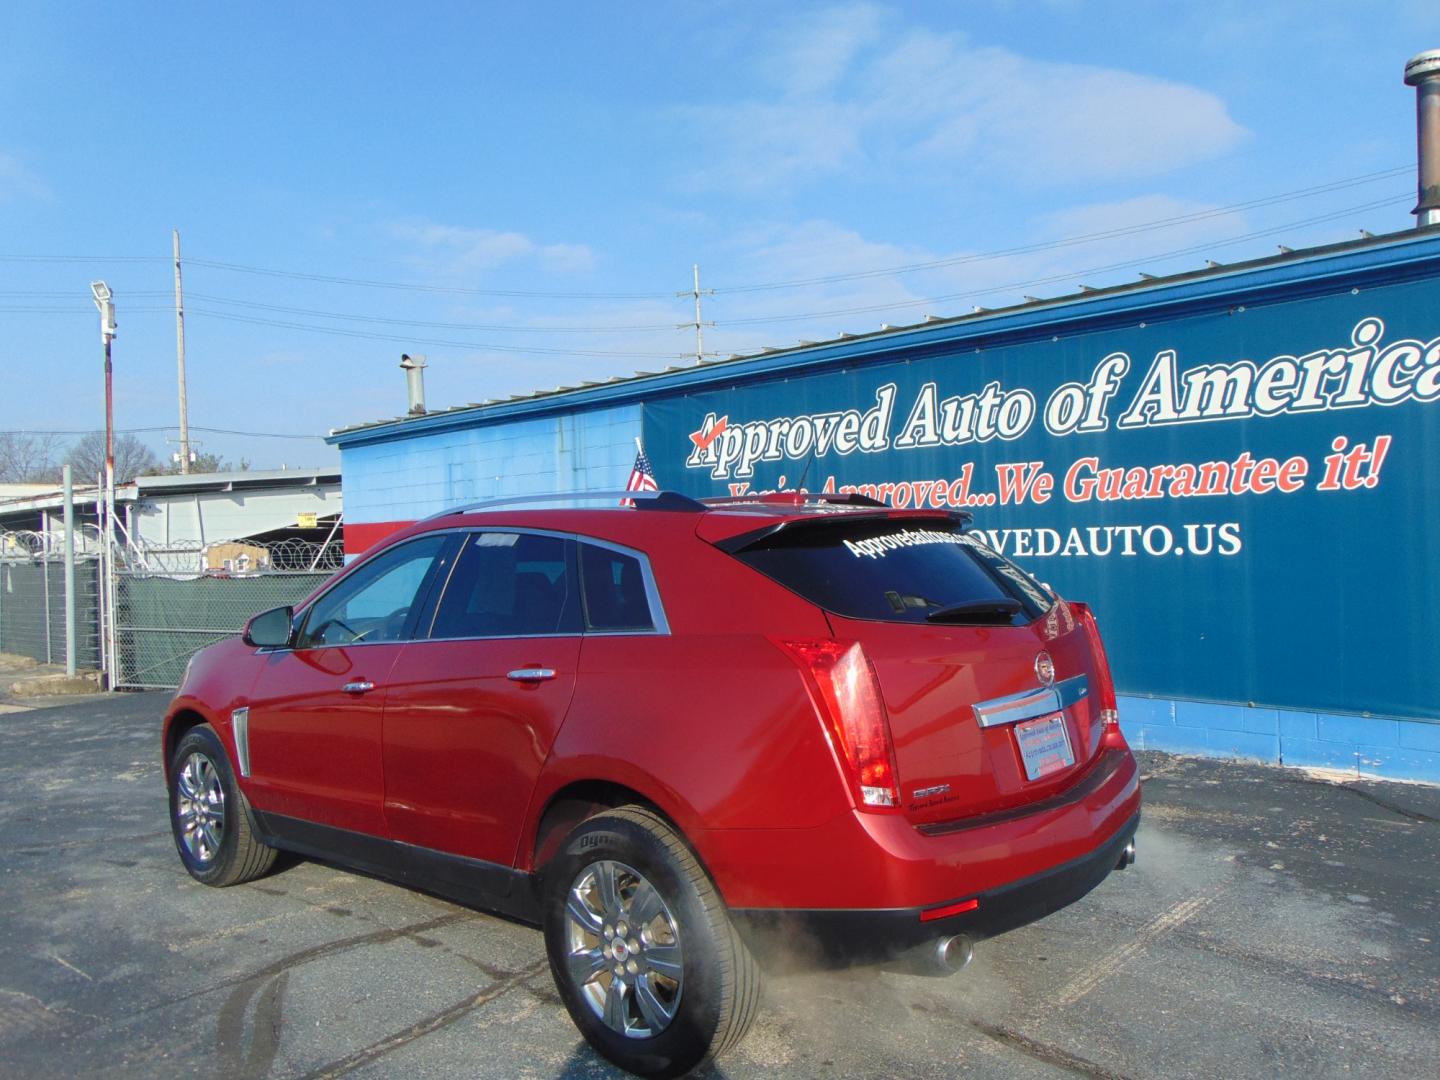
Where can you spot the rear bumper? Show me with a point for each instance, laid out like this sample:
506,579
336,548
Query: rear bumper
860,934
868,877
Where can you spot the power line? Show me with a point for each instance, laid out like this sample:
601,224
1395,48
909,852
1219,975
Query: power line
152,430
250,434
407,339
1070,275
39,310
71,294
752,321
83,258
412,287
1071,241
1168,222
489,327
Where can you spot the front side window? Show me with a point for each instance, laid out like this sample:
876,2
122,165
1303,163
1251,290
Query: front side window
615,596
374,602
509,584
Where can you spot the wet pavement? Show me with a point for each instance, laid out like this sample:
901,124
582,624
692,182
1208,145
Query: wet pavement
1274,925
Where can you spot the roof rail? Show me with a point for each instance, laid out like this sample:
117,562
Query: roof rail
797,498
643,500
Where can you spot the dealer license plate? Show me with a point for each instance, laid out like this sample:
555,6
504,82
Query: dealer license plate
1044,745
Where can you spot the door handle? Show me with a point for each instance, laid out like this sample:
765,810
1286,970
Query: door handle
362,687
531,674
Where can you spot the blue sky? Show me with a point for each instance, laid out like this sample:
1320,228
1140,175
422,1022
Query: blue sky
583,156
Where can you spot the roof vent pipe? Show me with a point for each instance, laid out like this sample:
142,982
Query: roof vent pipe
1423,73
414,368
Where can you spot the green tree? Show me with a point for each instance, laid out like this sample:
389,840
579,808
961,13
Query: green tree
204,463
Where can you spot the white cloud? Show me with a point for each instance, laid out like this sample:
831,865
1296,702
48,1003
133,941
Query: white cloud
853,85
464,249
601,340
1187,222
1097,243
817,50
18,182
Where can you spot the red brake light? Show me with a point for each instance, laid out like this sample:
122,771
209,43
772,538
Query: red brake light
1105,692
848,697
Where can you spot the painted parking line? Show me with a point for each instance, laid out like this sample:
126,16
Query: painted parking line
1146,936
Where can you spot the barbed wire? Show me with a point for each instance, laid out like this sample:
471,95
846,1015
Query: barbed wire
214,558
231,558
32,544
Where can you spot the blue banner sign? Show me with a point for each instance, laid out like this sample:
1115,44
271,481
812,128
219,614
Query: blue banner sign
1250,497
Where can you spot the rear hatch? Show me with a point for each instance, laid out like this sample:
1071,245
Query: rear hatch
987,678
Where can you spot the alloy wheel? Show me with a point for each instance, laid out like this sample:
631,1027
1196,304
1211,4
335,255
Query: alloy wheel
623,949
200,808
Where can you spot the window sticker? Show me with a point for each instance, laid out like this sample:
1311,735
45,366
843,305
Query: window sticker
877,547
497,540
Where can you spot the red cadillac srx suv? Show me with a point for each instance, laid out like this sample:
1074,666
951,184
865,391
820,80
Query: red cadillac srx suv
666,732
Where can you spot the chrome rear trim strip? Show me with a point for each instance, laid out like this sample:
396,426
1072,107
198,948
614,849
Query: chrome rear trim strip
1029,704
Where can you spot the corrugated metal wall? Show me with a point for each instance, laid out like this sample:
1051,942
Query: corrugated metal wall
412,478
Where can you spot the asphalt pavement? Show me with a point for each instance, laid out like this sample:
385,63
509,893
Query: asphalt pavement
1274,925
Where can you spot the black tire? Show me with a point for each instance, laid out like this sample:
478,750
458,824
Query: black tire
227,851
718,993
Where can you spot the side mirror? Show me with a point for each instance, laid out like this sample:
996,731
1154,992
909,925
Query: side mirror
270,629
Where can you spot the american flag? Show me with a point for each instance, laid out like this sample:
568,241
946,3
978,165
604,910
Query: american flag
642,473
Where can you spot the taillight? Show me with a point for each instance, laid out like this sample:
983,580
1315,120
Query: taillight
847,696
1105,692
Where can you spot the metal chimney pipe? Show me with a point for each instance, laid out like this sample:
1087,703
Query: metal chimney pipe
414,367
1423,73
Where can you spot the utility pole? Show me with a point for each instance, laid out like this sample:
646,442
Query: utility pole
68,486
105,302
180,357
699,324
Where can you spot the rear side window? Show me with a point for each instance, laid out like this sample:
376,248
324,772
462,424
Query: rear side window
898,571
615,594
509,584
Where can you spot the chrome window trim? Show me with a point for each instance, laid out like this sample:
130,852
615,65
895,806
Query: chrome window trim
1029,704
476,530
660,623
495,637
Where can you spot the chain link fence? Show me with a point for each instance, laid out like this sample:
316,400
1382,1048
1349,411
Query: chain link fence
172,602
32,601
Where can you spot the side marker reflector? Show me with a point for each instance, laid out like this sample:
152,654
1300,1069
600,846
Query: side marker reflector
948,910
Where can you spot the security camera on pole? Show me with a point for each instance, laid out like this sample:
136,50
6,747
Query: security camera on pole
104,300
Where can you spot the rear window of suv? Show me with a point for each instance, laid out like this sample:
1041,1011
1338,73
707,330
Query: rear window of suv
898,570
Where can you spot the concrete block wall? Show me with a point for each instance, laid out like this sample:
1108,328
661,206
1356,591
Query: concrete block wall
1365,745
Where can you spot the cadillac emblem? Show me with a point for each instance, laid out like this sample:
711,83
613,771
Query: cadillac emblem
1044,668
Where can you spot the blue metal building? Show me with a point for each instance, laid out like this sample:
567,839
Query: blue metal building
1237,467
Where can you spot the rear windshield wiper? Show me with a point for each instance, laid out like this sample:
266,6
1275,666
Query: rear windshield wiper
976,611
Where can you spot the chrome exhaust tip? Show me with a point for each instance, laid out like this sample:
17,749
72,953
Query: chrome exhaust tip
938,958
954,953
1127,857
